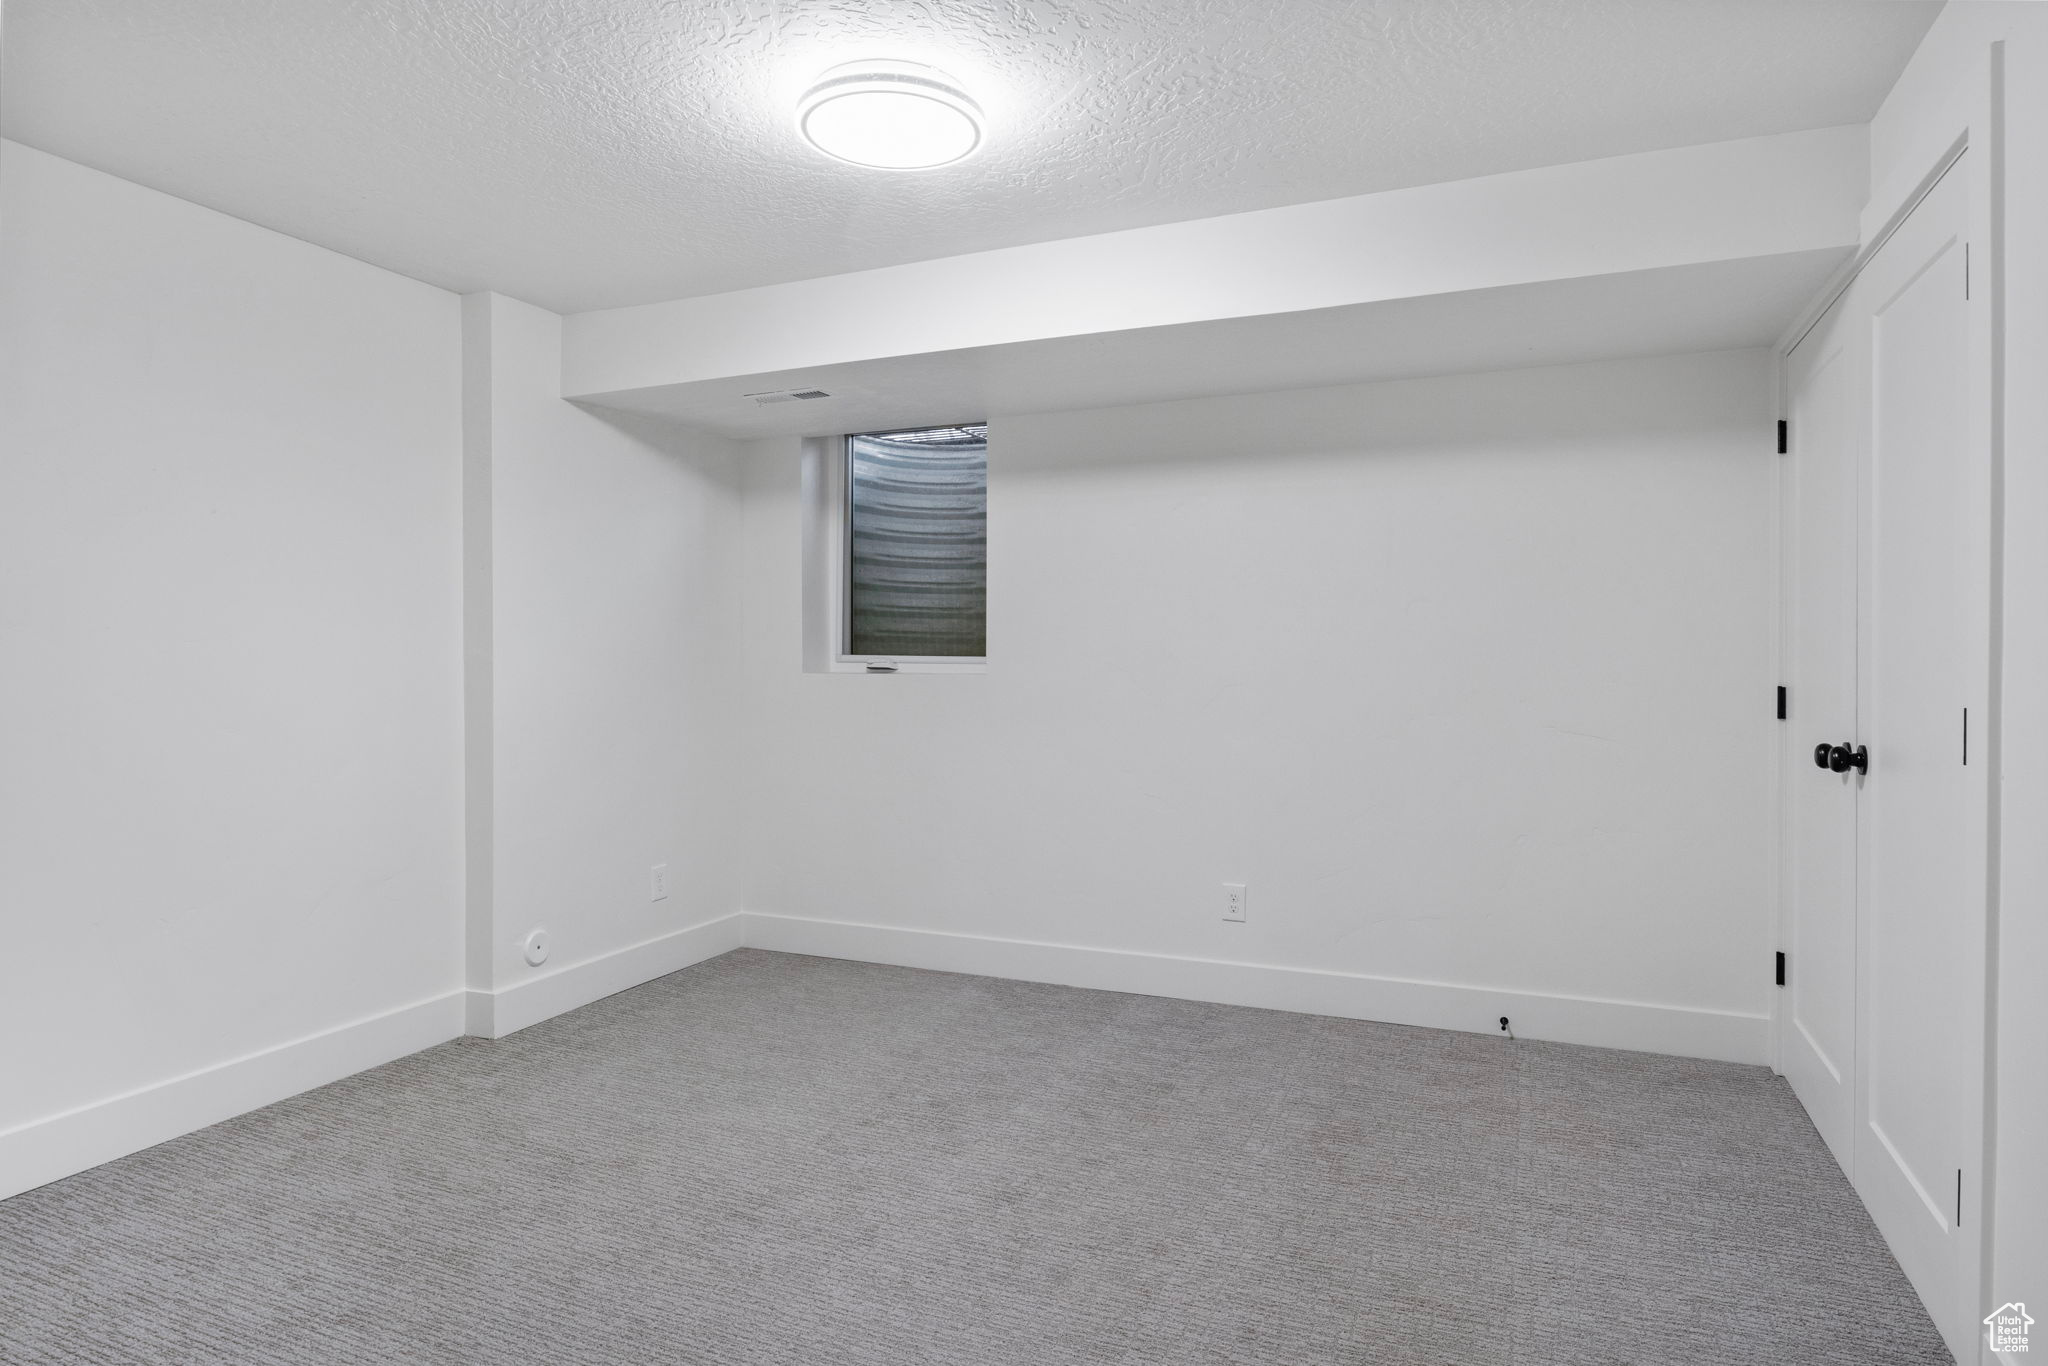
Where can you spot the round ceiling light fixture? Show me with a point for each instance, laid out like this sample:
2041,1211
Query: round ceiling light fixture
898,116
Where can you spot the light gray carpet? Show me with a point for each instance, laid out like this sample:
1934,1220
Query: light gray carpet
775,1159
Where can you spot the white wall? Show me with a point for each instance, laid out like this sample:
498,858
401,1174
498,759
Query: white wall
1936,95
1467,677
230,799
257,499
614,685
2020,1253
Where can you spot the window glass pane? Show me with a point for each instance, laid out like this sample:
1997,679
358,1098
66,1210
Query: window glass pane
918,543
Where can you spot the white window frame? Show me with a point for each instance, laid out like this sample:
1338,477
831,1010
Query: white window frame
828,550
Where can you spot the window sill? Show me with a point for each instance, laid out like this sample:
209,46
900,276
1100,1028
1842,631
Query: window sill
911,666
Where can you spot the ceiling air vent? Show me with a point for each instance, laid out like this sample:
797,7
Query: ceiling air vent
787,395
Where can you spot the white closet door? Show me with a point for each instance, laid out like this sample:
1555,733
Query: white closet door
1920,1057
1817,1015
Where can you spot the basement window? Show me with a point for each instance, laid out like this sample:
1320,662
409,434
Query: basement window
916,547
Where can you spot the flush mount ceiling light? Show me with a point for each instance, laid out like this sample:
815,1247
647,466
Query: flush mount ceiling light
899,116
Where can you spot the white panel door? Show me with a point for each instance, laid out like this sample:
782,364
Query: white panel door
1817,1014
1922,642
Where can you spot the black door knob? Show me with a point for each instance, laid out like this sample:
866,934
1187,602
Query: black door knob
1841,758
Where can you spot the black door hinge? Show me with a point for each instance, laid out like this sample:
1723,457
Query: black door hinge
1781,701
1781,967
1784,436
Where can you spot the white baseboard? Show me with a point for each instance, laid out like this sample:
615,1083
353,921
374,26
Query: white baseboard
46,1150
1722,1035
494,1014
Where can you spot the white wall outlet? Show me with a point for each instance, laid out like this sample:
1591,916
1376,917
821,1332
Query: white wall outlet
1233,901
657,882
535,946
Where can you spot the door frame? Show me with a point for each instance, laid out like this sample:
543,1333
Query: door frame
1982,134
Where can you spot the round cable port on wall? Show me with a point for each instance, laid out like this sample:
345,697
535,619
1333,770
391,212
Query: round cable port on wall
535,946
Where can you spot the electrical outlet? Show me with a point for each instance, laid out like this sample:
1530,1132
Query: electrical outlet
657,882
1233,901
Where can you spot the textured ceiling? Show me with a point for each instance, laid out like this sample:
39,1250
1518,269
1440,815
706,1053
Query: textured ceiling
589,153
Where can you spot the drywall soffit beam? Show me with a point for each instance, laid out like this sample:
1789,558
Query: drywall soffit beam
1756,197
1720,306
